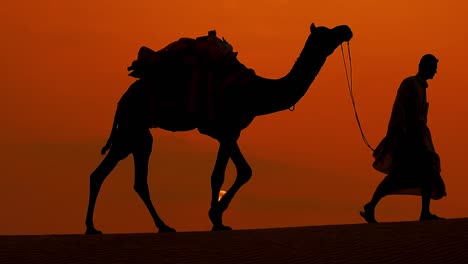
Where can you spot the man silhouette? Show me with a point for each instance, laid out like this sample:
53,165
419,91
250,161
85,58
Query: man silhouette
407,154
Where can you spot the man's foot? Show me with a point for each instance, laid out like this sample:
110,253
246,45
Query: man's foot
368,214
92,231
428,217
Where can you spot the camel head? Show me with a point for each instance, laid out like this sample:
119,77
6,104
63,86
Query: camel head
323,41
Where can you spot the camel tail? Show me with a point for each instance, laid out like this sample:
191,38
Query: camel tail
109,141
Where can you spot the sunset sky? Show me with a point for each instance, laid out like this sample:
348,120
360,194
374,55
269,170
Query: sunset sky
64,67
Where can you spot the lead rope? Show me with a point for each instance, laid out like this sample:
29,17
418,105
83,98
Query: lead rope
349,81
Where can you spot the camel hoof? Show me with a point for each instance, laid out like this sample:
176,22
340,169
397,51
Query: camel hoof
167,229
430,217
221,228
368,216
92,231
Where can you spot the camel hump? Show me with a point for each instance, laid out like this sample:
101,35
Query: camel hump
200,52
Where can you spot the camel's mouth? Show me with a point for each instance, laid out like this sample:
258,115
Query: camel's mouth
348,35
346,32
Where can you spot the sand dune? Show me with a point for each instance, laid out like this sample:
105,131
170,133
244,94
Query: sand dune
443,241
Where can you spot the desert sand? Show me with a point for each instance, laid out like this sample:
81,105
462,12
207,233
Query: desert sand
444,241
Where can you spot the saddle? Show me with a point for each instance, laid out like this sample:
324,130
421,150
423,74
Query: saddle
205,66
204,51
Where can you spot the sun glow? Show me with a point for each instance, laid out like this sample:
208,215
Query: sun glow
221,194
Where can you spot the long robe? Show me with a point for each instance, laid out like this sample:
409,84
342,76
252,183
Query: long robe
407,154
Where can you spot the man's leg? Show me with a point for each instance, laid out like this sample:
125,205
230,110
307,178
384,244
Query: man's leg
380,192
426,193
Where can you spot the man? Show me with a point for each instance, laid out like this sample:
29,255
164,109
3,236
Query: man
407,154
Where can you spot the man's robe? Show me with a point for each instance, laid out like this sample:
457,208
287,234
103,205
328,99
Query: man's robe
406,154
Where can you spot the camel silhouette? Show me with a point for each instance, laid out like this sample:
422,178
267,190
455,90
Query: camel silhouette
170,96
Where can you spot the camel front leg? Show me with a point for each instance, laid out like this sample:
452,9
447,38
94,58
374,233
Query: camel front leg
217,180
244,173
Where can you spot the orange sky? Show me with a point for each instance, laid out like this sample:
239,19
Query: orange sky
63,68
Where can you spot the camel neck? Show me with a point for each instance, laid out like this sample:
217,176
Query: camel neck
273,95
298,80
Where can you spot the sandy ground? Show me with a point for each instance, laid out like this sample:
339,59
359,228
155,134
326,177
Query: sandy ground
444,241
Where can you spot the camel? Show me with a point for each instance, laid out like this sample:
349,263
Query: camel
156,101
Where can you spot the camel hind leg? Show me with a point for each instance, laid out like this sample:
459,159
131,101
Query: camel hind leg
95,182
141,155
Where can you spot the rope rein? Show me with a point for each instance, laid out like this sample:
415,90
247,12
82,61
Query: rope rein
349,81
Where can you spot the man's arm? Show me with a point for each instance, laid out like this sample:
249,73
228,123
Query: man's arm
398,121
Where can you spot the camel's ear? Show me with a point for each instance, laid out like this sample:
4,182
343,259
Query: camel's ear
312,27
